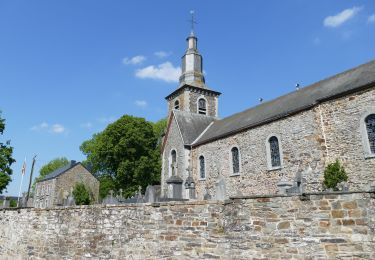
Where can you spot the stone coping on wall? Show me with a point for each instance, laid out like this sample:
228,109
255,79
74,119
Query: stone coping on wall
303,196
299,195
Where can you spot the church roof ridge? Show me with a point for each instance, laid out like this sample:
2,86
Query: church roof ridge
339,84
60,171
191,125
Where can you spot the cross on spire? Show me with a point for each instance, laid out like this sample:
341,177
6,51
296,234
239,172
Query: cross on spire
192,21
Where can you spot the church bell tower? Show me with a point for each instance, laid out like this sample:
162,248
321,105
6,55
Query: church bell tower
192,94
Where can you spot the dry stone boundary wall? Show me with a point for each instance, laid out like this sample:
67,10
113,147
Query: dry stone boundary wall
315,226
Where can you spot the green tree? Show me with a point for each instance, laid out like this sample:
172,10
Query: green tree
107,183
127,152
50,167
81,194
159,128
334,174
6,159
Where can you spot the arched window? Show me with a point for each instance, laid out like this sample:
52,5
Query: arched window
370,128
173,162
274,151
202,106
202,168
177,105
235,160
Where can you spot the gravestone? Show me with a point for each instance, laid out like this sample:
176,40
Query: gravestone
152,193
174,187
220,188
207,196
283,185
299,182
70,201
110,199
190,188
140,198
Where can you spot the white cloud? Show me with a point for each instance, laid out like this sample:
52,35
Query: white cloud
39,127
165,71
371,19
162,54
87,125
55,128
340,18
134,60
141,103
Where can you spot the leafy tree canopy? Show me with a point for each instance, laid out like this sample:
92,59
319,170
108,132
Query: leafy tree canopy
81,194
6,159
50,167
107,183
125,155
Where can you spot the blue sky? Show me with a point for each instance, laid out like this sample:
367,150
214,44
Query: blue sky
68,68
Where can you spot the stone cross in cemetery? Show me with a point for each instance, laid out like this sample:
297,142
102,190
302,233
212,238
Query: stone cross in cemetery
189,184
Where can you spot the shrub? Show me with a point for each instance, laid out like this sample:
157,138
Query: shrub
334,174
81,194
13,203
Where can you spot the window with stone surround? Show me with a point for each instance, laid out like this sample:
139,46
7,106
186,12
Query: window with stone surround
370,129
274,152
235,160
177,105
202,106
173,162
202,168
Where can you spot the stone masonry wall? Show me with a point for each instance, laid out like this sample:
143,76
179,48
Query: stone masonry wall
342,121
301,145
211,103
174,142
330,226
78,174
309,140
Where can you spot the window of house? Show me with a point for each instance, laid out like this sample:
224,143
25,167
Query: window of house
235,160
202,106
370,128
202,167
177,105
173,161
274,152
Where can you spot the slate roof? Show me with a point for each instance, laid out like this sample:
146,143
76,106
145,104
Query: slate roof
191,125
340,84
60,171
193,86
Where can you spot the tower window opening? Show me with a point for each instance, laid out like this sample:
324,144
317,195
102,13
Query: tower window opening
177,105
202,106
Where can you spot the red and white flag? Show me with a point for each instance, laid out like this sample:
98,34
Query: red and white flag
23,167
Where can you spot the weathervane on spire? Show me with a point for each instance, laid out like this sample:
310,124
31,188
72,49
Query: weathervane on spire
193,21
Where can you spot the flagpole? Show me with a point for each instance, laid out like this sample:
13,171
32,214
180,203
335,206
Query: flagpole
22,173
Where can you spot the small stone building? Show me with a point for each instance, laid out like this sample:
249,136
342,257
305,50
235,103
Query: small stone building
55,188
290,139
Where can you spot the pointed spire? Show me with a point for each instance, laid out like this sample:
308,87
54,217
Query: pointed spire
192,61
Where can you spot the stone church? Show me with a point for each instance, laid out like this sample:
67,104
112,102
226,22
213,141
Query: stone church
290,139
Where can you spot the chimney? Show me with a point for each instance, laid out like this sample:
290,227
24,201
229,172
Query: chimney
72,162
